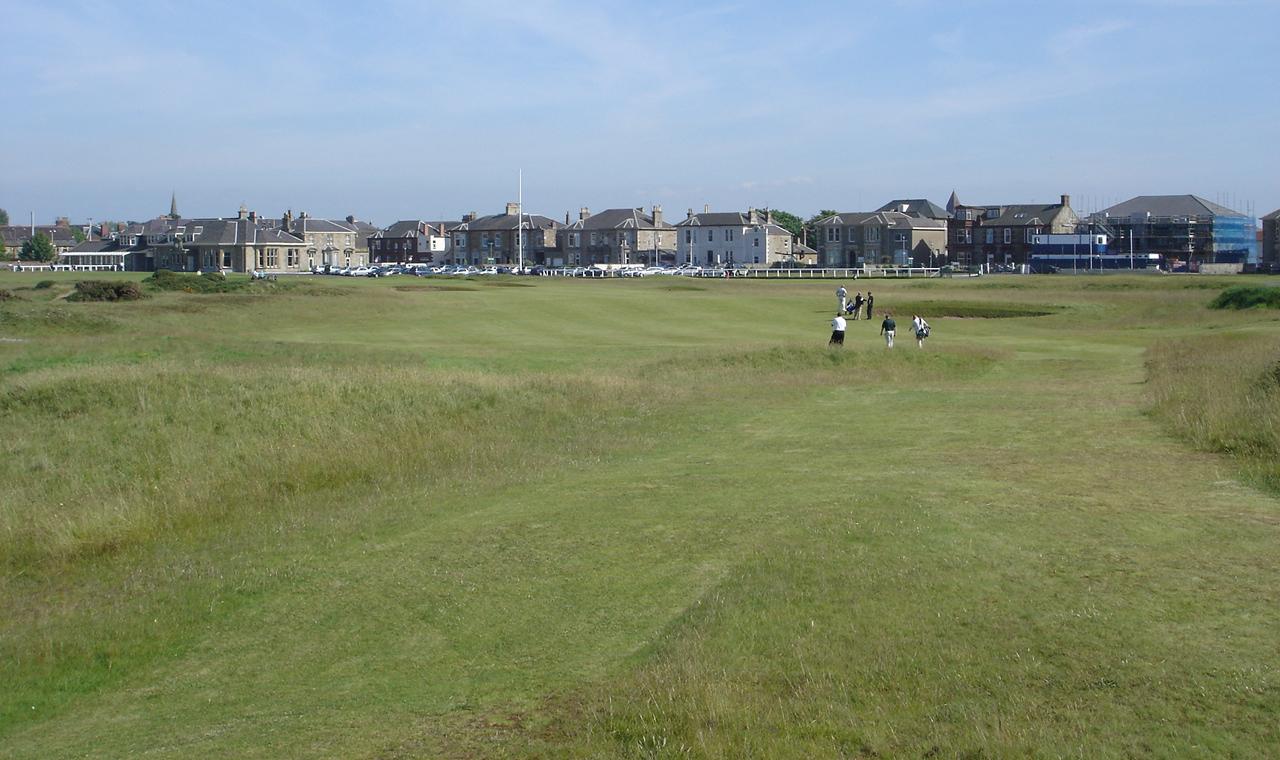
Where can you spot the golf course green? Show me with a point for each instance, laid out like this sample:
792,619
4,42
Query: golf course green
659,517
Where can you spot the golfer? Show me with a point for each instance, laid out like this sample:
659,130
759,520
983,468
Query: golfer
857,304
837,331
887,328
870,302
842,294
920,328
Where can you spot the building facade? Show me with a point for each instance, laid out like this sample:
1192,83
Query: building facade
880,238
413,241
733,239
1269,255
496,239
1004,234
617,236
1181,229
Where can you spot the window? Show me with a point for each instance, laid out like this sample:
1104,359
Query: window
833,234
991,236
960,235
873,234
728,236
755,244
226,259
273,257
710,237
573,239
595,238
968,236
293,257
688,236
1008,236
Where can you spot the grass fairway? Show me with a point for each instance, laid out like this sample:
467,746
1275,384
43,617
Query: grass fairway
642,518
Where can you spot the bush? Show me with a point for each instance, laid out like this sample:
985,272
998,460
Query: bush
6,295
1247,297
101,290
45,284
209,282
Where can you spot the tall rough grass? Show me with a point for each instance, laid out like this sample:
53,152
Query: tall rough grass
1222,393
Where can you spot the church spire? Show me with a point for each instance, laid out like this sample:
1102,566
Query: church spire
953,203
173,205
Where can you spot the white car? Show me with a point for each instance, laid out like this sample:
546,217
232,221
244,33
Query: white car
359,271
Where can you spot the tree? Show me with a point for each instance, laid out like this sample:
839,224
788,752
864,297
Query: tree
811,226
78,234
789,222
39,248
4,218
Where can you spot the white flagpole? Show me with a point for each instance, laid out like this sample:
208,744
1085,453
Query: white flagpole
520,220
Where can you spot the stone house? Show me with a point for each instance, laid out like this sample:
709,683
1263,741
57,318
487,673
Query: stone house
880,238
733,239
1004,234
617,236
493,240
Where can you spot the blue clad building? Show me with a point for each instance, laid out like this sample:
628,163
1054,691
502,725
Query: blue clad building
1180,229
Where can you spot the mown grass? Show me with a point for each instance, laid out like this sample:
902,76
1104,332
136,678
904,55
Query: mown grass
604,519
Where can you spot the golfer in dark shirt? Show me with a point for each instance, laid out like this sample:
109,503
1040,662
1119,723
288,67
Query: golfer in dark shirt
870,300
887,328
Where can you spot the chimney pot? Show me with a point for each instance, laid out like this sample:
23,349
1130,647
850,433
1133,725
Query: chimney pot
657,215
513,209
584,213
706,208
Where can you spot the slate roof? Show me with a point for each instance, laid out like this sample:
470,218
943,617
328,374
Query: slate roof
1169,205
401,229
16,234
1273,215
618,218
893,219
303,226
501,222
917,207
95,246
728,219
1025,215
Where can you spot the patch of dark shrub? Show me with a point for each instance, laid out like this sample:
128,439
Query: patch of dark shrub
6,295
45,284
1247,297
104,290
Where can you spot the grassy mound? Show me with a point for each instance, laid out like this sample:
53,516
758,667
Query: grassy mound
1222,395
209,282
1247,297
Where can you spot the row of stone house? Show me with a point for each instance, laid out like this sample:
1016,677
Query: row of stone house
902,232
616,236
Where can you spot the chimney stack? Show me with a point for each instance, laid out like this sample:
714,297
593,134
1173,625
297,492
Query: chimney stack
351,218
513,209
706,208
768,216
1066,200
584,213
690,215
753,216
657,215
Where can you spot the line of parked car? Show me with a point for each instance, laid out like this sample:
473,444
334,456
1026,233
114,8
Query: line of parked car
461,270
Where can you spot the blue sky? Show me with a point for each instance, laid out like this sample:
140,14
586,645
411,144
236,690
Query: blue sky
391,110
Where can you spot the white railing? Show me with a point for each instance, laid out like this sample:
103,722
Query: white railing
839,272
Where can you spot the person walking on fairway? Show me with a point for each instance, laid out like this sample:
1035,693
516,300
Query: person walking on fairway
920,328
837,331
842,294
870,302
857,304
887,328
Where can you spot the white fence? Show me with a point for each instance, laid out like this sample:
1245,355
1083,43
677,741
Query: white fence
852,273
